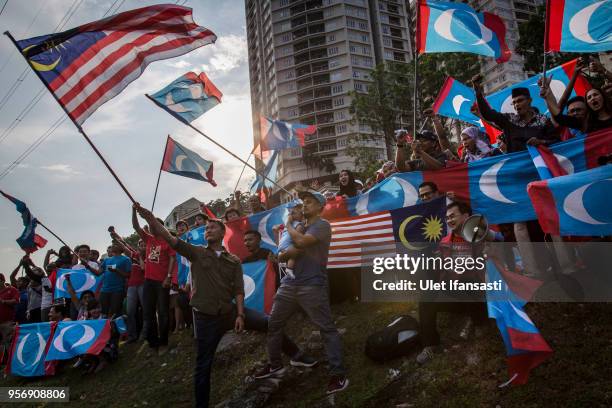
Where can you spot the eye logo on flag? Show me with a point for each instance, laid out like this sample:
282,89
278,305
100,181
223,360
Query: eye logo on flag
579,25
259,285
456,27
72,339
181,161
81,281
28,349
189,96
279,135
455,100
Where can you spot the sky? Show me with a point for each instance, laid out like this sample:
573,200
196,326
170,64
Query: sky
64,183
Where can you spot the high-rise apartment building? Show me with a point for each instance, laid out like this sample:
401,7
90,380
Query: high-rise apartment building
305,56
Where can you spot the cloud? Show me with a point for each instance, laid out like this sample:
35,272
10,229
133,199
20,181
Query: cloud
230,52
181,64
62,169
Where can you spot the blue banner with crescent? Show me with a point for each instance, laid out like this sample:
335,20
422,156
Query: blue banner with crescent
27,357
254,275
195,237
72,339
586,26
81,281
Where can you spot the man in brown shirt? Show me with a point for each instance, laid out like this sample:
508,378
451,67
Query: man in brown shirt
217,281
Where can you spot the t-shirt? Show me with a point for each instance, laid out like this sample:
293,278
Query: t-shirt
310,266
7,312
113,282
285,239
157,258
34,297
93,265
136,274
48,285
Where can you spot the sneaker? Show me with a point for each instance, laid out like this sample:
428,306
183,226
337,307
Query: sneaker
425,355
269,371
303,361
467,330
336,384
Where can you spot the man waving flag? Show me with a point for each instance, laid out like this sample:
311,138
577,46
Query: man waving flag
87,66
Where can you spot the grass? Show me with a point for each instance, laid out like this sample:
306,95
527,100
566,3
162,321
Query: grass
578,374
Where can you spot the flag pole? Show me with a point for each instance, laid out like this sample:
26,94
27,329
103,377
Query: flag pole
546,28
416,69
240,176
79,128
223,148
159,175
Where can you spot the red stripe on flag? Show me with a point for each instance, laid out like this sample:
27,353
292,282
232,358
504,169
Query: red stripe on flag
135,64
167,161
448,84
422,26
496,24
99,46
554,25
544,205
551,162
527,341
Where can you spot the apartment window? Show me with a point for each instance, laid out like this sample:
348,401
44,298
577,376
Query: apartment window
363,25
286,37
284,13
293,112
353,48
342,142
340,115
337,88
332,51
385,29
350,23
366,50
331,37
295,152
330,25
289,75
341,128
284,3
335,76
358,86
334,63
364,37
339,102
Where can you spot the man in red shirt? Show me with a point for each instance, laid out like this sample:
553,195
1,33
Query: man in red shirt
9,297
158,269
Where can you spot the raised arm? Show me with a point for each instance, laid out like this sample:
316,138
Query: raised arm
73,295
48,257
485,110
14,274
570,85
439,128
136,225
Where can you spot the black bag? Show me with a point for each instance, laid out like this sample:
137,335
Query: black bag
398,339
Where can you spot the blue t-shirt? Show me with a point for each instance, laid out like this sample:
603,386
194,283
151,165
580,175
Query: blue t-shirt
311,265
113,282
285,239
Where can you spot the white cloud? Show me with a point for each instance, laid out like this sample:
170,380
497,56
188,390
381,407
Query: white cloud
63,169
229,53
181,64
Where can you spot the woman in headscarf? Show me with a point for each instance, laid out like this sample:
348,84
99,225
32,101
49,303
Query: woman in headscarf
348,186
476,145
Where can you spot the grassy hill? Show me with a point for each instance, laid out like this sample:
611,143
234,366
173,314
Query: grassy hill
579,373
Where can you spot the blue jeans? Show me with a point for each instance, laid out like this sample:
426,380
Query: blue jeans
134,299
209,330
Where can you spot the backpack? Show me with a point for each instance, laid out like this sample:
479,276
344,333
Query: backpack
398,339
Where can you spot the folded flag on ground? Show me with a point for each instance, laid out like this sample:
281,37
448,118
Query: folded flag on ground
75,338
29,348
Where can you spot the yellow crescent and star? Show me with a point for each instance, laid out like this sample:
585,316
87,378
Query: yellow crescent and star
431,227
45,67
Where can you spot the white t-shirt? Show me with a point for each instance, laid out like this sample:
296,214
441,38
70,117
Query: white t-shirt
46,299
92,264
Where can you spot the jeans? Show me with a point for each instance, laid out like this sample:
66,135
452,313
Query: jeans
156,300
111,303
134,299
314,300
209,330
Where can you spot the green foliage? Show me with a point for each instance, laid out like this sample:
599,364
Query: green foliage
313,160
132,240
531,45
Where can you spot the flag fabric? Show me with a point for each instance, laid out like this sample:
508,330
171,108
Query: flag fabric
546,162
270,172
195,237
357,240
501,101
81,281
29,241
279,135
456,27
28,349
576,204
121,325
495,187
86,66
525,346
259,285
181,161
455,100
578,25
75,338
188,97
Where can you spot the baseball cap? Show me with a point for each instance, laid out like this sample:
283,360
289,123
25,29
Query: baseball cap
427,135
314,194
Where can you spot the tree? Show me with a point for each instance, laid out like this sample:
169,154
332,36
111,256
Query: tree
531,45
388,103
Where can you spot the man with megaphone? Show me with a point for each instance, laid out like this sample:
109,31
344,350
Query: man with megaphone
465,240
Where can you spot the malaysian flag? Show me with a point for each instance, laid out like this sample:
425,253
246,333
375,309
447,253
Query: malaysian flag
88,65
358,239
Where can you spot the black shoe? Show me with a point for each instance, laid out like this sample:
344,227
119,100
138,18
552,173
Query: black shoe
337,384
269,371
303,361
